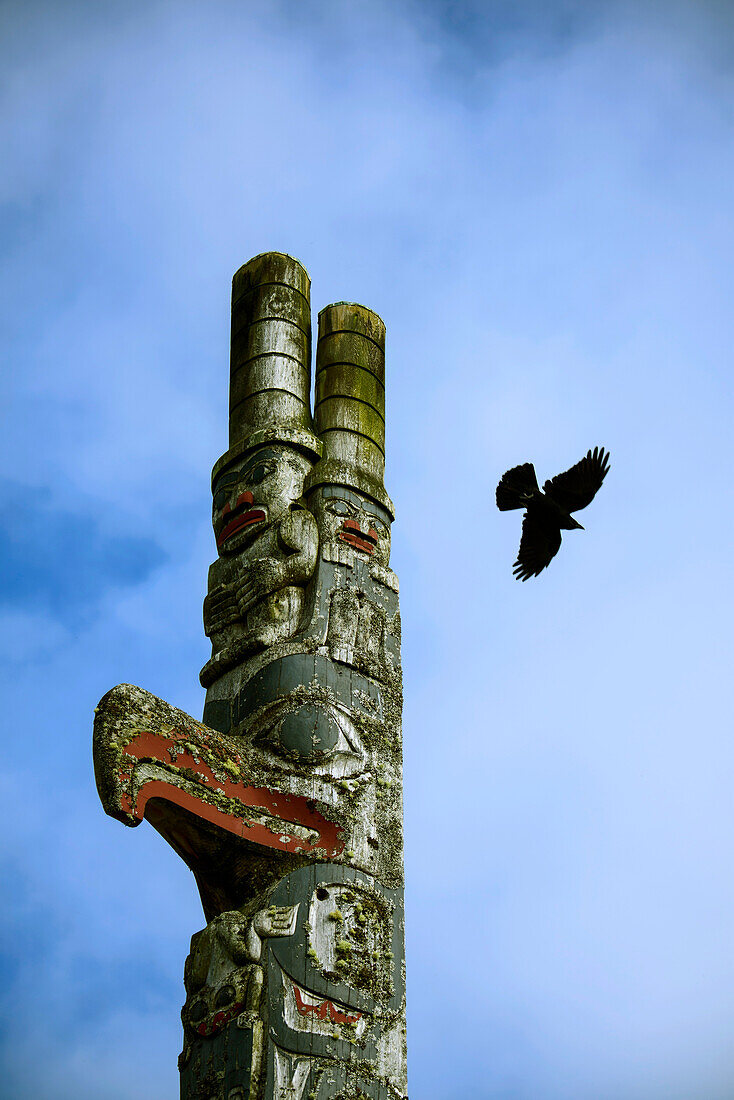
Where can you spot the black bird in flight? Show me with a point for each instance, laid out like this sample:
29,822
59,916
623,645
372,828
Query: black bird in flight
549,512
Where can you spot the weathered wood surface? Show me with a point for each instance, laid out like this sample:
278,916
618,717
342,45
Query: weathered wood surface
286,802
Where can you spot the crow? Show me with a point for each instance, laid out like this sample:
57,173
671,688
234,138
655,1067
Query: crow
549,512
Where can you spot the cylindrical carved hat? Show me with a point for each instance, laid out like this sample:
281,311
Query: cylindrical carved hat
270,361
349,412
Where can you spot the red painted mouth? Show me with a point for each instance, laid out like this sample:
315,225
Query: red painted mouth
211,1027
245,519
358,539
324,1010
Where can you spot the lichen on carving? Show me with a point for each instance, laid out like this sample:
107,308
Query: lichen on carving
286,801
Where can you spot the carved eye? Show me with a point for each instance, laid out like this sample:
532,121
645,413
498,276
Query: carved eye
339,508
378,526
224,489
225,996
258,473
313,734
198,1011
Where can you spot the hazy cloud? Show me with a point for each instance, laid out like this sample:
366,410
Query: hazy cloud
537,199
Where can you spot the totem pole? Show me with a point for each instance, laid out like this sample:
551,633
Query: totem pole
286,801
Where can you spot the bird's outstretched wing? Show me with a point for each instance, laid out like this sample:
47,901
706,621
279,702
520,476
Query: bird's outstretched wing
577,487
539,544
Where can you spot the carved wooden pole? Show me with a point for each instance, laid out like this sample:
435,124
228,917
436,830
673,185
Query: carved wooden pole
286,802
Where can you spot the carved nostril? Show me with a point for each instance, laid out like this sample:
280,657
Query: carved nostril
226,509
245,498
373,534
352,525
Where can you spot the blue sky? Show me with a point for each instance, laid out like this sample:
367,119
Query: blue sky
537,198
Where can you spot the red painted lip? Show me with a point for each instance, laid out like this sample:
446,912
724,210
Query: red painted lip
360,541
245,519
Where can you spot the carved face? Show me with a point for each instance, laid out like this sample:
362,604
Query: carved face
254,494
346,516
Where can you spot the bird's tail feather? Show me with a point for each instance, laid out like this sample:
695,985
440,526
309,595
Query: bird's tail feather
516,487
